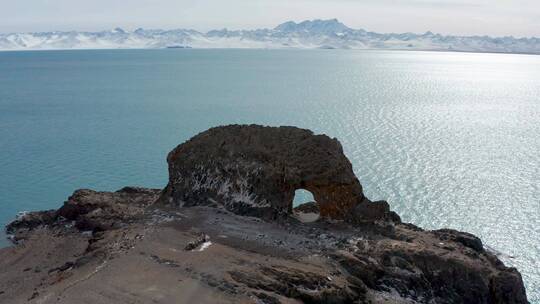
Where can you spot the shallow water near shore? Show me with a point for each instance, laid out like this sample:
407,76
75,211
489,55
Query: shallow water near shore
449,139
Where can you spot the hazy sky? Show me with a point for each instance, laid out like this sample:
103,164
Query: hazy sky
492,17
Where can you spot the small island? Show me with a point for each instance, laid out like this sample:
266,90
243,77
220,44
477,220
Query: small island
224,230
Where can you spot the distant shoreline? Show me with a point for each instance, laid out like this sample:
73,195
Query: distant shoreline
309,34
263,49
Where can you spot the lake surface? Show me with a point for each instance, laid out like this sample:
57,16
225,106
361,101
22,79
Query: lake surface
449,139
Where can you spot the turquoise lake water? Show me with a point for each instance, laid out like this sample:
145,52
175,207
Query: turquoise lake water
449,139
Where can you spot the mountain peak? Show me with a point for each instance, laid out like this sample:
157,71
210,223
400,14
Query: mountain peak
316,33
286,26
329,26
118,30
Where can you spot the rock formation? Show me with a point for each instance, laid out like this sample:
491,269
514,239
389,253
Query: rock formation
255,170
222,232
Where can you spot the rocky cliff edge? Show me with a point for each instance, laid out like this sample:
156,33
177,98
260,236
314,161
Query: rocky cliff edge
224,231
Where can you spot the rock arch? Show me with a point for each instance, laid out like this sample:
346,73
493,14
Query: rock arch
305,207
302,196
255,170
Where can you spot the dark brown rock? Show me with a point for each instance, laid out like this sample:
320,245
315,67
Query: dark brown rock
88,210
95,211
255,170
464,238
430,271
30,220
507,287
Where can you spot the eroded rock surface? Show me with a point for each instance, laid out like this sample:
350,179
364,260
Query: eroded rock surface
255,170
130,246
89,210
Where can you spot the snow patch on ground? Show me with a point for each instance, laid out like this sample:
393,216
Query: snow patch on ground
204,246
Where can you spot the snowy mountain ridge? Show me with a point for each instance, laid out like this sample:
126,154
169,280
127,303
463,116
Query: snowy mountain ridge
325,34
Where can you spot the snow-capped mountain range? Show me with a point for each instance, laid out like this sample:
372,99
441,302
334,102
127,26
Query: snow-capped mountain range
326,34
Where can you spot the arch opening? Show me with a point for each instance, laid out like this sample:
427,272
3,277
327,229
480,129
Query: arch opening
304,206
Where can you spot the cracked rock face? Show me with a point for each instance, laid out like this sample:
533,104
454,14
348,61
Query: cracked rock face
255,170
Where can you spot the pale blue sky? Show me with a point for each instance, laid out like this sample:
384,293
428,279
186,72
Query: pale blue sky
494,17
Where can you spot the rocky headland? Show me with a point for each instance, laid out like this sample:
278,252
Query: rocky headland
224,231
